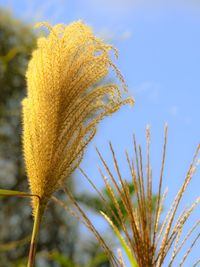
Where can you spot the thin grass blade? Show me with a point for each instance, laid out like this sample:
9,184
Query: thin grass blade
122,241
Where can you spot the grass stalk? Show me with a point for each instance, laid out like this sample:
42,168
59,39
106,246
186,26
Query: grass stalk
36,225
34,238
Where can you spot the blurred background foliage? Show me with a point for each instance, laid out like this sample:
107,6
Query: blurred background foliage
58,244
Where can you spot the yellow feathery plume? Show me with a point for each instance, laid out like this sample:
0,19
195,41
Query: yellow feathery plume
64,103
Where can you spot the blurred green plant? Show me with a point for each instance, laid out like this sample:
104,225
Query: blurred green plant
98,204
16,42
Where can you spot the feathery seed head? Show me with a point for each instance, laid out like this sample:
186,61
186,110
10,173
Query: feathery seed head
140,229
64,103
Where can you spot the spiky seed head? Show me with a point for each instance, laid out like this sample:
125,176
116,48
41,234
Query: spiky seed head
64,103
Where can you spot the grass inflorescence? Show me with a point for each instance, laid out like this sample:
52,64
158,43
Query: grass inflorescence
146,239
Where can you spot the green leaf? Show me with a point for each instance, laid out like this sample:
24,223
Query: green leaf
4,192
98,260
122,241
63,260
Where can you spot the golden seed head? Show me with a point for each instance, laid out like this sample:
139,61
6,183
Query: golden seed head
64,103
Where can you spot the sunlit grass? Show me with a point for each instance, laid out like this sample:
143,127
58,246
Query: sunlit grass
145,238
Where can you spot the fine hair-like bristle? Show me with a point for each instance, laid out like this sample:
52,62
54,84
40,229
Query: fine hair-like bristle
147,240
64,103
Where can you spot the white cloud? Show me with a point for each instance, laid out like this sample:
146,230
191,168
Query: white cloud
112,36
149,89
119,9
173,110
112,4
125,35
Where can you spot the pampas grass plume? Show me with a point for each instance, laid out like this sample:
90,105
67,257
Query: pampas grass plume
64,103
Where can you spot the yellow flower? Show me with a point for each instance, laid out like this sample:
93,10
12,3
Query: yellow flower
66,99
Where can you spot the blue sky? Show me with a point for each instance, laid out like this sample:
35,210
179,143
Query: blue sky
159,56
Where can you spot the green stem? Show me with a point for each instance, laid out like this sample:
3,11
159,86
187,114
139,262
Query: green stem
34,238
